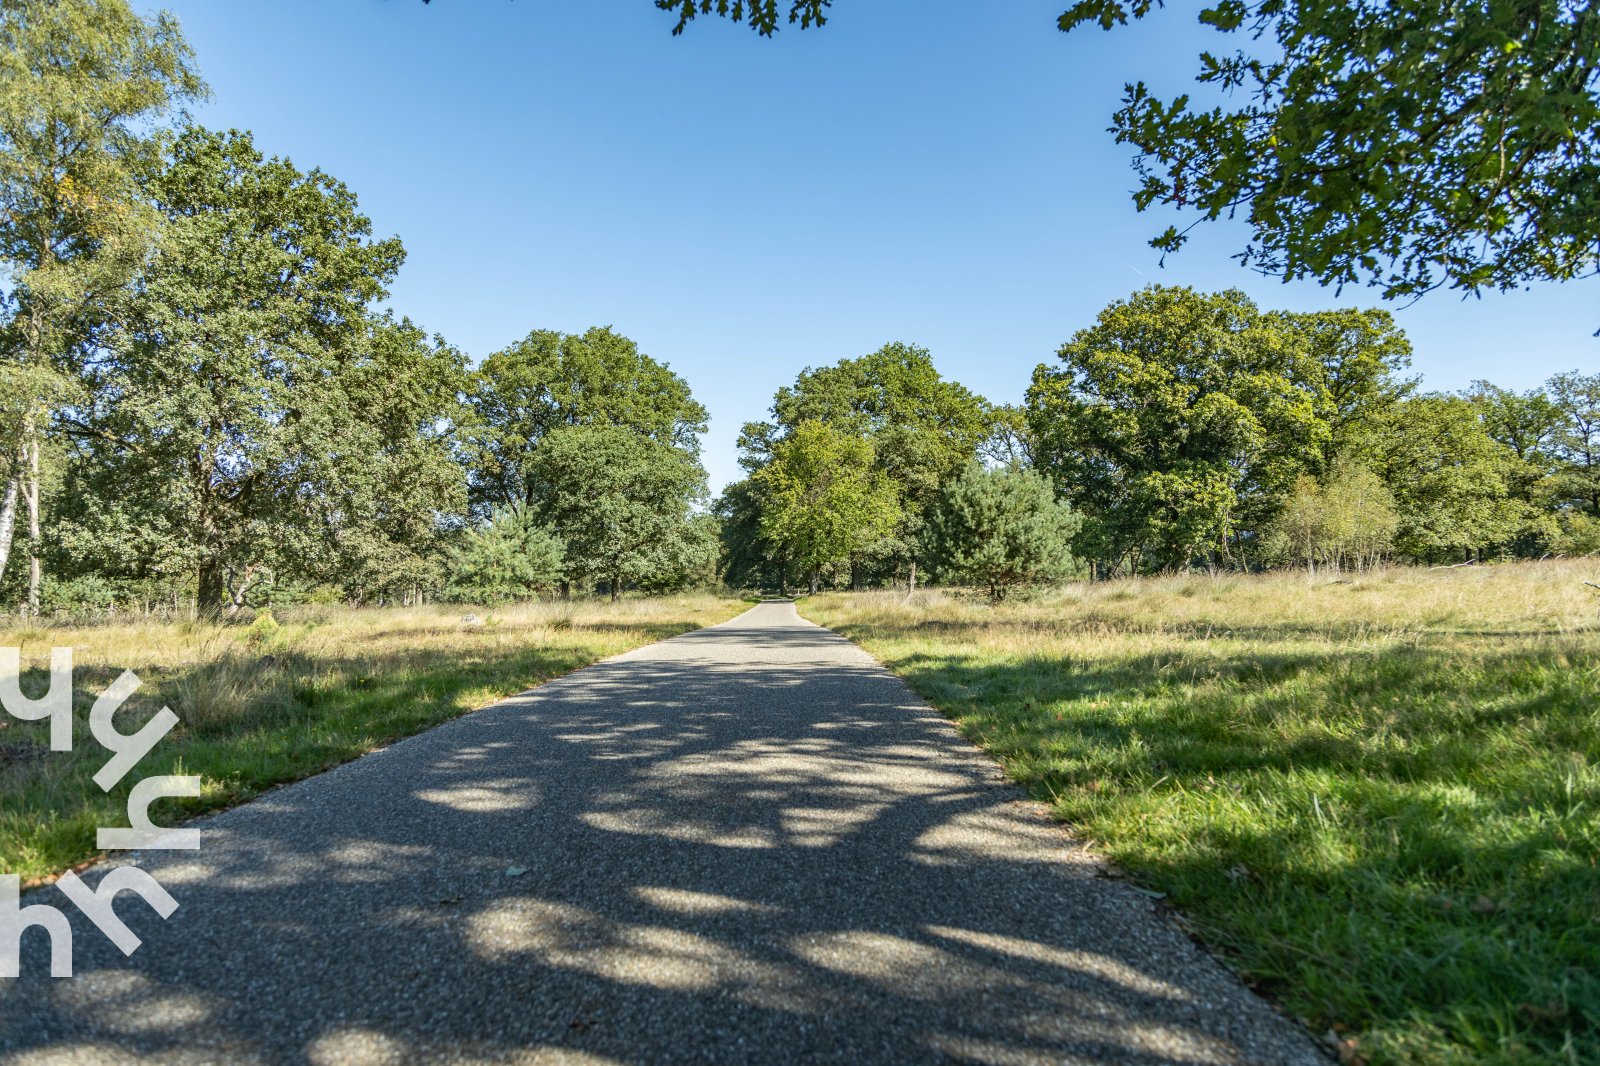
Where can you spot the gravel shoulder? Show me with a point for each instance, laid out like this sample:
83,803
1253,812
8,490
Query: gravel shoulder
750,843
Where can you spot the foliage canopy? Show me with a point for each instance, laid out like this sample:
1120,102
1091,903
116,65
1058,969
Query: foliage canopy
824,496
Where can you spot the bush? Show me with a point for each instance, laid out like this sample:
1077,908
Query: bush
1348,522
1579,535
263,628
512,558
1003,528
89,594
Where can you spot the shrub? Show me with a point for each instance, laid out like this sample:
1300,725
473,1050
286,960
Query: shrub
1003,528
511,558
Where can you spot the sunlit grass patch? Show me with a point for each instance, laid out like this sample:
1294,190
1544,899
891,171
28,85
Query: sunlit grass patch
1378,796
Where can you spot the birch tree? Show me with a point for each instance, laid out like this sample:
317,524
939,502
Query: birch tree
85,86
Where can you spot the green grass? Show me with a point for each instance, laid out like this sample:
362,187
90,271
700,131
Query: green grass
259,708
1378,798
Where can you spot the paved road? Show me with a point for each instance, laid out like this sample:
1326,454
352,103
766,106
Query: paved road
747,844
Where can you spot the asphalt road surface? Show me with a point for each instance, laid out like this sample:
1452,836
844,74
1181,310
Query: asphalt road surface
746,844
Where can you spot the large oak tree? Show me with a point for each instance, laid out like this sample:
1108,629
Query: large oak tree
255,417
548,380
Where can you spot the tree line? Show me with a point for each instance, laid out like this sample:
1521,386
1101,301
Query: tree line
1181,430
202,405
205,406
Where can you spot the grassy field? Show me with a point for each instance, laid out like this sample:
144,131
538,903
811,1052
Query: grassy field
260,706
1378,796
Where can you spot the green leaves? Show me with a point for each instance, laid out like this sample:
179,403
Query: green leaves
602,442
1103,13
548,380
1226,16
823,495
253,417
1398,145
1180,419
1348,523
1192,428
85,87
1449,478
620,500
761,15
511,558
1002,528
921,428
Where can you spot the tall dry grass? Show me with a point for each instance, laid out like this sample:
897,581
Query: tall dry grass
266,702
1529,598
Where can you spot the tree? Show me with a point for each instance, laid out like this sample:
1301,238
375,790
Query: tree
1003,528
824,496
621,501
249,388
1403,144
87,85
1359,356
16,402
386,457
686,559
549,380
1577,439
1526,425
1010,441
923,430
1577,534
1351,521
749,559
1448,477
1397,144
1176,421
510,558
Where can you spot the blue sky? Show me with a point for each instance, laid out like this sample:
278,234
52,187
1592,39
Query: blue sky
918,170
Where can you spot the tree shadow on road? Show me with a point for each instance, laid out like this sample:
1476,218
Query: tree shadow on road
666,857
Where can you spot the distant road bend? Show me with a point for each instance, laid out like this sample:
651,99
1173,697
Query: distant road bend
749,844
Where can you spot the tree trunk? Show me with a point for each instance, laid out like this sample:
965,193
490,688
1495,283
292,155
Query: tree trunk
858,577
816,579
35,570
210,589
8,522
616,585
911,583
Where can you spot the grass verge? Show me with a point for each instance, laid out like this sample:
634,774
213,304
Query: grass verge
259,706
1377,796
